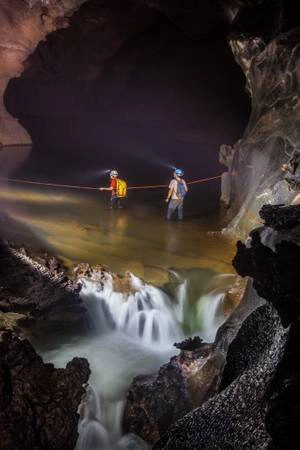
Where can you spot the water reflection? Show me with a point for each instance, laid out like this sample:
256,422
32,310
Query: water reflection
81,228
78,226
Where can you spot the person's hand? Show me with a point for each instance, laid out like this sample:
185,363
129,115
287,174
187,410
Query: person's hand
167,200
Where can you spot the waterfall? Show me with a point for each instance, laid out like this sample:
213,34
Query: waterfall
145,313
209,314
181,300
131,333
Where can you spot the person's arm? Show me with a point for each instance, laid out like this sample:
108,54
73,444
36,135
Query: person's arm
170,191
186,187
113,185
105,189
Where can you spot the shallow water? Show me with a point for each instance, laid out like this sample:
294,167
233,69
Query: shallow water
78,225
178,287
81,228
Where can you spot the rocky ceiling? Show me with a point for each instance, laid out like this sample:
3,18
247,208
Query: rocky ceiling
163,66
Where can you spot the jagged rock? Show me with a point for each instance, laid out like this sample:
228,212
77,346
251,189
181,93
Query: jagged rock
258,401
33,289
38,403
279,217
275,273
235,418
189,344
95,273
155,402
99,274
277,278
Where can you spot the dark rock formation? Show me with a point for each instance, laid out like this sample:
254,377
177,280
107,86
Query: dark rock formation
282,420
279,217
189,344
258,401
187,381
38,403
275,272
23,24
35,288
234,419
155,402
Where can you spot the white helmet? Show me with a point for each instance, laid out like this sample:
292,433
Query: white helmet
114,173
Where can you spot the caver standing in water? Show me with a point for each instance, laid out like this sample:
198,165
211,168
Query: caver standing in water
118,190
177,191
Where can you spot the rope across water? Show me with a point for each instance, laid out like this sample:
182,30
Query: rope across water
90,188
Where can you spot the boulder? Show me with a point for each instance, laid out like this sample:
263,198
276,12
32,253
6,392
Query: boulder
154,402
38,403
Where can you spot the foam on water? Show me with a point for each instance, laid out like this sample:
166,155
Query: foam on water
129,333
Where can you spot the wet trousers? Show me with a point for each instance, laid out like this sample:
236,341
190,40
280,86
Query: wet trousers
115,202
173,206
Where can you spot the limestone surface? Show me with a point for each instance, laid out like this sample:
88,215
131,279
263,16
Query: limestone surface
23,24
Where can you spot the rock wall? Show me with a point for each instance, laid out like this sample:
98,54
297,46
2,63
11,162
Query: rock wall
235,418
38,403
265,40
257,406
23,24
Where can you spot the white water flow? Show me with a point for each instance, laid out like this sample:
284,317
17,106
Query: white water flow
129,334
209,314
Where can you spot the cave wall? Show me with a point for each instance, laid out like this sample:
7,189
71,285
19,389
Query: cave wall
23,24
136,86
264,165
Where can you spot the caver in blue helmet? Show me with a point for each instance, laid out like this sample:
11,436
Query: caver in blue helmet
179,172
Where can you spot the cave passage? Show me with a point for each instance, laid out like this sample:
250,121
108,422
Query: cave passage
137,93
127,89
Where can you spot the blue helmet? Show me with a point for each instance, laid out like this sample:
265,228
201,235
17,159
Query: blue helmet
179,172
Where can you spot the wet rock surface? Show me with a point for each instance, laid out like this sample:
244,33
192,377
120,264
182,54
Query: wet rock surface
34,287
265,165
257,405
155,402
234,418
276,276
38,403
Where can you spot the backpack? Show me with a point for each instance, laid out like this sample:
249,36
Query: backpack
121,188
181,192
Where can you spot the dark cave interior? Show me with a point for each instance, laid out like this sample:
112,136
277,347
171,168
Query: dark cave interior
124,86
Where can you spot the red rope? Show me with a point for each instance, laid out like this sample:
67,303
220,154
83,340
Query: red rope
89,188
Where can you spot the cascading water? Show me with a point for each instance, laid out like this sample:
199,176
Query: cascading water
145,313
209,315
128,333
